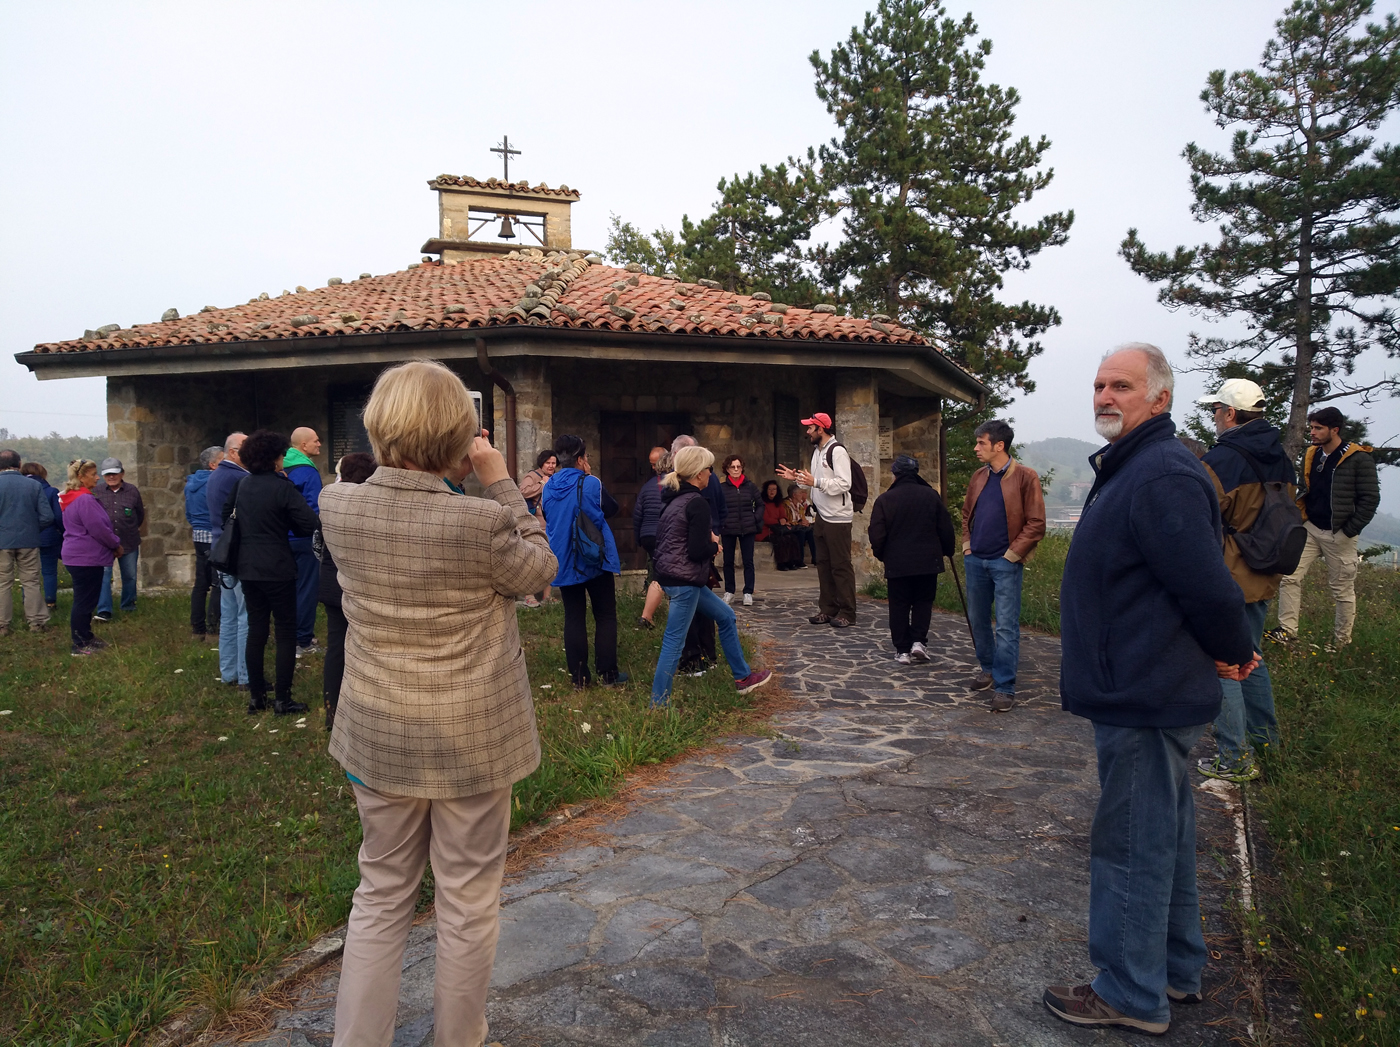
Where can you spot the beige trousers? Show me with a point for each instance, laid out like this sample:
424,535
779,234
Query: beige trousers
465,838
25,564
1340,553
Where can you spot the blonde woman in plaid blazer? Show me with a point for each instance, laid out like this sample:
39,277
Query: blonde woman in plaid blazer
435,720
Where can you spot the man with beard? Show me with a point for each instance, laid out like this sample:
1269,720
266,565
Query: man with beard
1151,621
829,480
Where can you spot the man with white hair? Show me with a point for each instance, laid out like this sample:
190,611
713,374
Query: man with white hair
1151,621
233,611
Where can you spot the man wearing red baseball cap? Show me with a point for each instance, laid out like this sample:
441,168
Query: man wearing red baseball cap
829,481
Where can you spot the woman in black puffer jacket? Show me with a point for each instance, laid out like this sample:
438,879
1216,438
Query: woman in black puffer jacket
355,468
743,518
268,507
685,547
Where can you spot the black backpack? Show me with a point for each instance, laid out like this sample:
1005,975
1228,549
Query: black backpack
1274,542
860,490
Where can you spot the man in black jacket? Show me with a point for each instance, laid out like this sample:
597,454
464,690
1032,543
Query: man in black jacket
910,532
1340,496
1150,621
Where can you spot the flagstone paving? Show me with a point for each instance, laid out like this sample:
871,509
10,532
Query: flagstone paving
897,866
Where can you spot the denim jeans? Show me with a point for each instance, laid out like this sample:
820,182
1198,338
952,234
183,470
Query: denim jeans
126,563
1144,914
1247,715
686,600
48,568
998,580
308,589
233,633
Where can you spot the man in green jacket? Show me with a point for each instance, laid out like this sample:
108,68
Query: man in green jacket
1340,495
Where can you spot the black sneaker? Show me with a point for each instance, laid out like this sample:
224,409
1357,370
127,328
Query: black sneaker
287,708
616,679
100,617
257,704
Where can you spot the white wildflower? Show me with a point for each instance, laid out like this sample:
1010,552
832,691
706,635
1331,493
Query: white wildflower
178,671
223,737
10,712
585,727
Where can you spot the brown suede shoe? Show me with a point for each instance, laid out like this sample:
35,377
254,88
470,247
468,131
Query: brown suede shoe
1080,1005
980,682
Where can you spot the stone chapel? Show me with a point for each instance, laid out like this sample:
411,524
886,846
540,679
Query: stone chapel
554,341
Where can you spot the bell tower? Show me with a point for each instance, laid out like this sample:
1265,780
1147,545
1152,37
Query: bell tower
478,219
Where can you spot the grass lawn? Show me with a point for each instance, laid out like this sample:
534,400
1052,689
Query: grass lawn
159,847
1330,801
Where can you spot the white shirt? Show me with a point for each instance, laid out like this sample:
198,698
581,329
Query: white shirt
831,487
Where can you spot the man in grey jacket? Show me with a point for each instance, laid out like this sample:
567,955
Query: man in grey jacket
24,512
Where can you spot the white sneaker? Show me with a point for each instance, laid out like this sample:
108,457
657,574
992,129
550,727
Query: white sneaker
748,599
727,597
903,659
918,652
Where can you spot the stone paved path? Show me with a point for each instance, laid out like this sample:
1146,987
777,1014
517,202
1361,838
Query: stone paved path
898,866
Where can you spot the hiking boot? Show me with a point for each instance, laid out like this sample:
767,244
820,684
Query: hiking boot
754,680
286,707
903,658
1002,701
645,623
819,619
1177,996
1278,634
1244,771
980,682
839,623
1080,1005
748,599
918,653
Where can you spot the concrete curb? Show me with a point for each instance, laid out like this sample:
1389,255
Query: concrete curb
187,1029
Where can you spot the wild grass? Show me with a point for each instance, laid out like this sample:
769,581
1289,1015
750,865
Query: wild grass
1330,804
160,848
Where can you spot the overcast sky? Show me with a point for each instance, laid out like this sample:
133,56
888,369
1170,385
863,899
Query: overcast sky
158,155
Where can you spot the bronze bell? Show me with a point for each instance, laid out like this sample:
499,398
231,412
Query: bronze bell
507,233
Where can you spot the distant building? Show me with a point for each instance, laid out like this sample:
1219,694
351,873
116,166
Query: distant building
1078,491
623,359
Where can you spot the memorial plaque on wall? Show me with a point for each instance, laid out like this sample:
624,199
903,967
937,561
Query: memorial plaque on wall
886,439
788,439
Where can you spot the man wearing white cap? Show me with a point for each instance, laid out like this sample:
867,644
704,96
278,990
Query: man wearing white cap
1247,455
123,504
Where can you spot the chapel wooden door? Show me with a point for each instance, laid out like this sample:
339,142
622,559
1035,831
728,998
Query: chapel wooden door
627,438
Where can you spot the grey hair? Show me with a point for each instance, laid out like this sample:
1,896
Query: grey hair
1160,376
230,443
682,441
207,456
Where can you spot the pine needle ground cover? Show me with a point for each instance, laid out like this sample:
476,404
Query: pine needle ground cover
160,848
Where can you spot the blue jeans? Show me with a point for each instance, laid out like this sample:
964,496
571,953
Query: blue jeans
308,590
1247,715
126,563
1144,914
686,600
48,570
998,579
233,633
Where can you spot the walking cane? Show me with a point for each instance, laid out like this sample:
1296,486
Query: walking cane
966,617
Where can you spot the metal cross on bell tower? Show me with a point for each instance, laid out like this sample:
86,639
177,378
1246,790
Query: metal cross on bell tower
506,153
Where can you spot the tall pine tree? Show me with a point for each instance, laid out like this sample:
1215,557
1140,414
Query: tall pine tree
925,176
1309,248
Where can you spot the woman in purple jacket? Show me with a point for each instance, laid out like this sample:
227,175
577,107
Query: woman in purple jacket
90,546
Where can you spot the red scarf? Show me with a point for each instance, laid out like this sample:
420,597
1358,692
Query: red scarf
739,482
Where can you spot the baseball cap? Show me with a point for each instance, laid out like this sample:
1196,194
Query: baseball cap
111,465
1239,393
821,418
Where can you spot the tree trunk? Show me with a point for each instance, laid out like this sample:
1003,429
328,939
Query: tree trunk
1295,437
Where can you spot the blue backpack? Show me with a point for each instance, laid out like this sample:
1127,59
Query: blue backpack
587,538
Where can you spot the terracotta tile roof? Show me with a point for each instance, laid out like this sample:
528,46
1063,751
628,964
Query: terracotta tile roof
447,181
525,289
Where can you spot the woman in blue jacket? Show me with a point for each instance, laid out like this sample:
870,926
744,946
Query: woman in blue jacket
587,562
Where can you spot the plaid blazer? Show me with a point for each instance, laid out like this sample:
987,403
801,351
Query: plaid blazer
435,702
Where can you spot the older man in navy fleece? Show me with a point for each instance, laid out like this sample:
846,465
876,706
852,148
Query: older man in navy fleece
1150,621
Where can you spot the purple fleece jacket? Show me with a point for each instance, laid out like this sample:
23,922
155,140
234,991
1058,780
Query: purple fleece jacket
89,539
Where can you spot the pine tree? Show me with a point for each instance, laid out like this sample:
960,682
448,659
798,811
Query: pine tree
925,176
1309,248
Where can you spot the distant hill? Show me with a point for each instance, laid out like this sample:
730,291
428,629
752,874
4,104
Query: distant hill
1383,529
1069,458
54,451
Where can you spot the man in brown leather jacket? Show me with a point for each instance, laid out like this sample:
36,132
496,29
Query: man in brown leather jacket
1003,517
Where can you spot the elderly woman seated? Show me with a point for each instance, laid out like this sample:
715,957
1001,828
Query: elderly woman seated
435,720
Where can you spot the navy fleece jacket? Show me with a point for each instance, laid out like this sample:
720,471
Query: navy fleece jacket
1147,605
